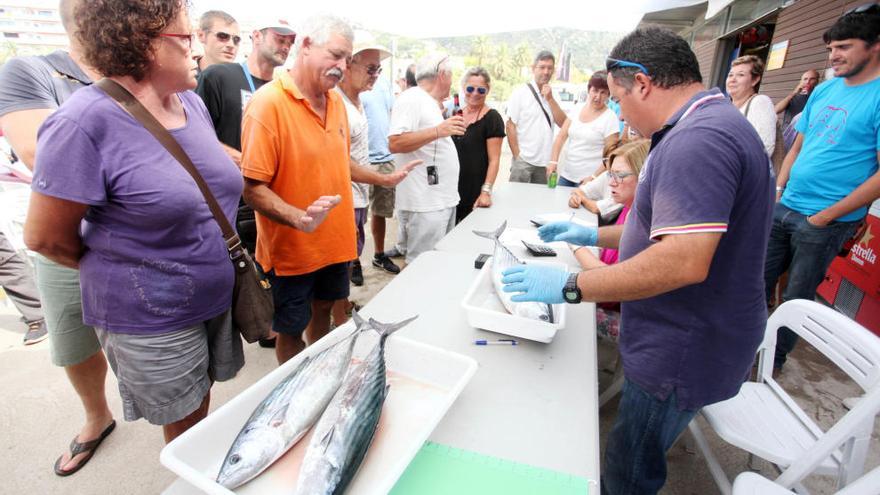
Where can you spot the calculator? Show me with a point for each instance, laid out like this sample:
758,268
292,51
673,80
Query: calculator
539,249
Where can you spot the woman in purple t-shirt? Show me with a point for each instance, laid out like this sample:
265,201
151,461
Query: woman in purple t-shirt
110,200
624,165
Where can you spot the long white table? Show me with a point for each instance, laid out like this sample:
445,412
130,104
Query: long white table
532,403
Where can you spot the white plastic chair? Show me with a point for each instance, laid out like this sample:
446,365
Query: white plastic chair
765,421
750,483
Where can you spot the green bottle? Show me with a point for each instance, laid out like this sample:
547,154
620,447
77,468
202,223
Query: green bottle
551,182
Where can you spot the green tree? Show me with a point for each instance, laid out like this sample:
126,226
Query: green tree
481,50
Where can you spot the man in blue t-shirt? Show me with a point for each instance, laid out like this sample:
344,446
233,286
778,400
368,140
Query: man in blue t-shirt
829,177
691,256
377,105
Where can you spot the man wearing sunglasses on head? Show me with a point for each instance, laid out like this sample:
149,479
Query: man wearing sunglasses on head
690,270
218,33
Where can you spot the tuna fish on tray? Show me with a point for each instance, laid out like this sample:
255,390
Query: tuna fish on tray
502,259
346,429
287,413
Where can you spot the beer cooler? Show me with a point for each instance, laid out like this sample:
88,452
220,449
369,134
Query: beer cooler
852,282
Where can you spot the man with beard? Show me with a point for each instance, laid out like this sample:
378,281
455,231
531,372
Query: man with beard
531,114
295,152
829,176
226,89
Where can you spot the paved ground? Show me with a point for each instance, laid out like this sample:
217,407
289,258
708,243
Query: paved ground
40,413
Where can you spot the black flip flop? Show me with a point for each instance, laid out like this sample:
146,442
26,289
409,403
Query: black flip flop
77,448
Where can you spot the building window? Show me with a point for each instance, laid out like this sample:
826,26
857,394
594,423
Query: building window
743,12
10,35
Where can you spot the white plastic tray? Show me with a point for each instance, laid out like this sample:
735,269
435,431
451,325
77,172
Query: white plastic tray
546,218
485,310
425,381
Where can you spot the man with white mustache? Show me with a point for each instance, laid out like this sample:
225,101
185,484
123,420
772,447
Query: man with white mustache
295,146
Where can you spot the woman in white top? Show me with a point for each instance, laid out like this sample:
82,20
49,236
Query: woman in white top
743,81
588,131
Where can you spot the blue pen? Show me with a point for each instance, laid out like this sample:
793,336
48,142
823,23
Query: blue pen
496,342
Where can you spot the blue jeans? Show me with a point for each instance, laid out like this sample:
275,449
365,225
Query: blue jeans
805,251
635,454
567,183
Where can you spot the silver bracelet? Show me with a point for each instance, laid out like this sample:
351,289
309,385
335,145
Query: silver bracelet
486,188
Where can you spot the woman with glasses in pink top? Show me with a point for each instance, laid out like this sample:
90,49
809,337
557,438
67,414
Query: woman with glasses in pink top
479,149
624,165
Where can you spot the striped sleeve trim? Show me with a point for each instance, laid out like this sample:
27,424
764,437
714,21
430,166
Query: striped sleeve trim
693,228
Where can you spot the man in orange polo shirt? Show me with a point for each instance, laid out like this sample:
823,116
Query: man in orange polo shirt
295,148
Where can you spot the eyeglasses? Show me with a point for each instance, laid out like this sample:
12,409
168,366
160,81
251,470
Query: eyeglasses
619,176
372,70
224,37
471,89
188,38
613,63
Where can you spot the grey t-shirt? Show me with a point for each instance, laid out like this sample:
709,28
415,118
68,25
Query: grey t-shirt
37,82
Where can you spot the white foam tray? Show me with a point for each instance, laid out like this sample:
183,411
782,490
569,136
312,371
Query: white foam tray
485,310
425,381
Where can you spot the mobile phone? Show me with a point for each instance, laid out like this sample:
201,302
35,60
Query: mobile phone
433,178
481,260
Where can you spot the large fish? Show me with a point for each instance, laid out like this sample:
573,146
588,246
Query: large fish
502,259
346,429
286,414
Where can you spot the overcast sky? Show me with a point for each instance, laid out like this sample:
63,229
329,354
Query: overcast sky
425,19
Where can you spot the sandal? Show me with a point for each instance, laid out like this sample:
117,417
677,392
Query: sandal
89,447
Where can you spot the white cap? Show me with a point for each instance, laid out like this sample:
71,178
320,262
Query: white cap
364,41
280,26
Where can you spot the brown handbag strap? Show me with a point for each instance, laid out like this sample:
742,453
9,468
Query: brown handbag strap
131,105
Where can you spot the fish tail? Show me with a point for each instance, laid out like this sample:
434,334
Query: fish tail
493,235
386,329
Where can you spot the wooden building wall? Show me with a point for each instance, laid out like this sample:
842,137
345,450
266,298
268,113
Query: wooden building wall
802,24
706,57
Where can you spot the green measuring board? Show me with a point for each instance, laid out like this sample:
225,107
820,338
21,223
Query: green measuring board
442,470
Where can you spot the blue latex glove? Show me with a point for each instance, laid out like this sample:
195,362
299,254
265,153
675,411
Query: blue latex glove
569,232
536,282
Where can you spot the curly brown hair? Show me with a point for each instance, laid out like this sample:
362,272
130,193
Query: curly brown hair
117,35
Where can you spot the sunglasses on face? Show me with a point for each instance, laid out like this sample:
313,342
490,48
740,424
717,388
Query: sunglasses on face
224,37
371,70
471,89
187,38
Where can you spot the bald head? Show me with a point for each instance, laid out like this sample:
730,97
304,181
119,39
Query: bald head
809,80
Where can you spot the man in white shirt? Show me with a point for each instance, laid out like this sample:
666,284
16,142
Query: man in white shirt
427,198
532,113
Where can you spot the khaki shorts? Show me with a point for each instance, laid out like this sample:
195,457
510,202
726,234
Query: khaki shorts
165,377
70,340
382,198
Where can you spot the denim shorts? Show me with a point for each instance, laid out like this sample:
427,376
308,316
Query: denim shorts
293,295
165,377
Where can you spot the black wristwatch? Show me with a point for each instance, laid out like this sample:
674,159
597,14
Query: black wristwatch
571,293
